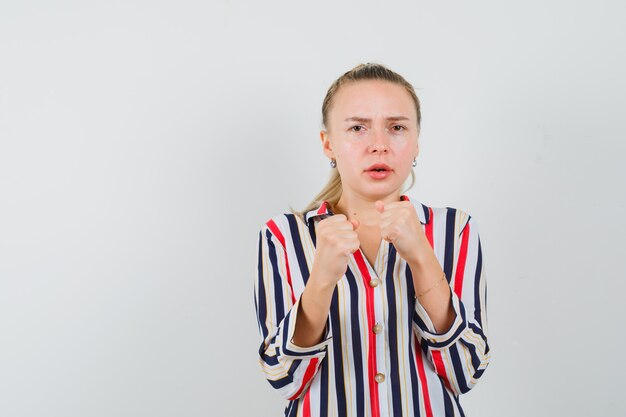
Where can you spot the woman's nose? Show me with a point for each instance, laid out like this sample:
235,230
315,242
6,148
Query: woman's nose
379,148
379,143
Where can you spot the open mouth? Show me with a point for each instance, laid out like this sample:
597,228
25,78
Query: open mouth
379,171
379,168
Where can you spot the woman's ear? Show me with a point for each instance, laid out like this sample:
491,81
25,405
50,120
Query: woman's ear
327,146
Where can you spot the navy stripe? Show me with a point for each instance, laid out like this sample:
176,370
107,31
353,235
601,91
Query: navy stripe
458,368
394,373
357,349
297,245
426,213
415,318
415,384
287,379
409,285
269,360
473,354
448,258
335,322
292,409
447,403
278,287
479,268
458,405
256,308
424,348
478,331
324,387
312,232
262,303
262,309
418,320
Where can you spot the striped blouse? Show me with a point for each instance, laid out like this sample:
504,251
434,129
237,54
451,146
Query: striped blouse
381,355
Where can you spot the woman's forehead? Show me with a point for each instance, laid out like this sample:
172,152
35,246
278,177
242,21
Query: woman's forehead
373,96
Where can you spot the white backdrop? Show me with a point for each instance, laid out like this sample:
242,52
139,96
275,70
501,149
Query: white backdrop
144,143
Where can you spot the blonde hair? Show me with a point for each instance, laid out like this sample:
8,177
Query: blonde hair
362,72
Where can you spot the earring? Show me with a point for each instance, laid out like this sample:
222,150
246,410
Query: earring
333,163
414,162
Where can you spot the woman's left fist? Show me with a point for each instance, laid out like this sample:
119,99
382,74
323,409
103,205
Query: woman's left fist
400,225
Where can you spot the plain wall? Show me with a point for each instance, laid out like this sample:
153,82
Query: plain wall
143,145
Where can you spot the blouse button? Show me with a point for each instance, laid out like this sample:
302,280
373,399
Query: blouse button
379,378
377,328
374,283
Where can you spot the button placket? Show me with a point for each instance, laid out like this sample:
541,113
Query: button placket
375,286
378,332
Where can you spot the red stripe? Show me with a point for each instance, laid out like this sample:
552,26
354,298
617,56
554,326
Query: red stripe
306,407
371,356
422,375
440,367
460,267
276,232
429,227
323,208
308,374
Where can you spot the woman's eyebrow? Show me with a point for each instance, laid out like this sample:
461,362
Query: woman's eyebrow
365,119
357,119
397,118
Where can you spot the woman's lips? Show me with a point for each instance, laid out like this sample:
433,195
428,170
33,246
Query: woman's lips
379,171
379,175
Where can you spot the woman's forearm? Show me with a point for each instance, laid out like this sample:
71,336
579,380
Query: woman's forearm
433,291
313,312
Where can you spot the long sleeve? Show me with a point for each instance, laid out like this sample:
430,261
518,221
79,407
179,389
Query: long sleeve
287,367
460,355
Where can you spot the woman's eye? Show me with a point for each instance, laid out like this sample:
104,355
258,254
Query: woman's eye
356,128
398,128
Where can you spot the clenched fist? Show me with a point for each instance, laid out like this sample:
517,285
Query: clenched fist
400,225
336,241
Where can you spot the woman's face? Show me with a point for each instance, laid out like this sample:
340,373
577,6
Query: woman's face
372,134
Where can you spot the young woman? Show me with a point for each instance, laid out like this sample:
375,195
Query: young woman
369,303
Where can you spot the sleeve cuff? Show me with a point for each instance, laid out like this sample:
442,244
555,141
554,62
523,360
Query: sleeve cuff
291,349
425,328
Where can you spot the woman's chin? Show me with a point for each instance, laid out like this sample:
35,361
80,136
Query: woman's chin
379,191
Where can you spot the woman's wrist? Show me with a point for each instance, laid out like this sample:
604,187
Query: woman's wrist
319,290
422,256
312,314
321,282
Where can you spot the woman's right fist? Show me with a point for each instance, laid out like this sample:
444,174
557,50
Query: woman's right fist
336,240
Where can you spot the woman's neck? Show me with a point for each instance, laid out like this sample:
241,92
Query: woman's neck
362,209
